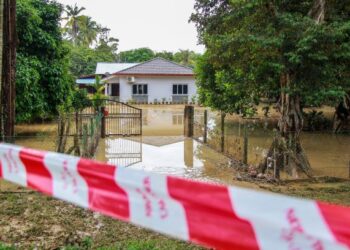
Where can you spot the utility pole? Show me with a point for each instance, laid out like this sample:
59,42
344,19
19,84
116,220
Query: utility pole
8,68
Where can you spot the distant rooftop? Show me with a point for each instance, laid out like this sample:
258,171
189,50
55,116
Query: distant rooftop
111,68
157,66
86,81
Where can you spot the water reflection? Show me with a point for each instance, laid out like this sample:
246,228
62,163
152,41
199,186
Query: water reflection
163,122
173,155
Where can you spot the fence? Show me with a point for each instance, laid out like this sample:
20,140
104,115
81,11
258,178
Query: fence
210,128
118,119
85,138
250,141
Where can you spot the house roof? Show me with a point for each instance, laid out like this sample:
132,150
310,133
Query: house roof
87,81
157,67
110,68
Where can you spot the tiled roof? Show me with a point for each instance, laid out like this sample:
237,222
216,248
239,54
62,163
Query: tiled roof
157,66
111,68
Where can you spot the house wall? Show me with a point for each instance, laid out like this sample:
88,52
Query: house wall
108,88
158,87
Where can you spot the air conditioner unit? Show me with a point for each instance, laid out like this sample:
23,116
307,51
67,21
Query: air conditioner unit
131,79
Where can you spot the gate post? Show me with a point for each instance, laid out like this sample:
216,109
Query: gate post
189,121
103,122
205,135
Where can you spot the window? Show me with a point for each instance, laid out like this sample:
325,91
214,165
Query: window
180,89
140,89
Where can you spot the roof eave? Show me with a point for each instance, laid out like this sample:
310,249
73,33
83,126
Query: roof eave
143,74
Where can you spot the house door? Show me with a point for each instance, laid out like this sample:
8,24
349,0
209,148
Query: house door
115,91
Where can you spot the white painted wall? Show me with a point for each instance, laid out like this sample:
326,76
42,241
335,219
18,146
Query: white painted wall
108,87
158,87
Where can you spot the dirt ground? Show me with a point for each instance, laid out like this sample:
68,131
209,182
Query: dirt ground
29,220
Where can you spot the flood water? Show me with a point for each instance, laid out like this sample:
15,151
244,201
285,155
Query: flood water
163,149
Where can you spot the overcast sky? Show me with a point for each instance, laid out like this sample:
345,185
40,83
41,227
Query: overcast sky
157,24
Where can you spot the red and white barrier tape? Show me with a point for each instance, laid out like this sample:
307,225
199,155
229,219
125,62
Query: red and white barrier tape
206,214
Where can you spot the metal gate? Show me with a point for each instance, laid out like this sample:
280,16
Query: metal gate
122,119
119,119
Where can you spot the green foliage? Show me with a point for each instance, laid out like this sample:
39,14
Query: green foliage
43,81
186,57
85,244
250,44
136,55
5,247
80,100
83,59
183,57
99,97
81,33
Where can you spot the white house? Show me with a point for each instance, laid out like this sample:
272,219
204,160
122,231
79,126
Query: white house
157,80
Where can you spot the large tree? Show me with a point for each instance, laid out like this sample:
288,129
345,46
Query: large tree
43,81
89,31
74,22
296,52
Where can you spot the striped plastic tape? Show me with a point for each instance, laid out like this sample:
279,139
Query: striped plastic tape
206,214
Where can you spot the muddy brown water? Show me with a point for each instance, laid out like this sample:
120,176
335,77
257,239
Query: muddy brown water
163,149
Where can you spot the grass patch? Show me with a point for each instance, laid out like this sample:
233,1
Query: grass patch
336,193
5,247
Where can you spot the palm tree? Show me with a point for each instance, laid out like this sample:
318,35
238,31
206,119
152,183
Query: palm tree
88,32
74,18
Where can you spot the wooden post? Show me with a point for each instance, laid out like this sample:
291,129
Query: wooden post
349,169
223,115
103,122
274,164
189,121
245,146
205,135
141,121
8,90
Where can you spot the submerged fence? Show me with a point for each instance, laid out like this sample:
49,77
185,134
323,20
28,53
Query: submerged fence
210,128
249,141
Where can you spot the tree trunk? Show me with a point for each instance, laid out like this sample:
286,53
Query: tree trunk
8,91
1,65
286,151
342,115
318,10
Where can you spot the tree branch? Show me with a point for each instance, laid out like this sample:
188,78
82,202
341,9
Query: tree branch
317,12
